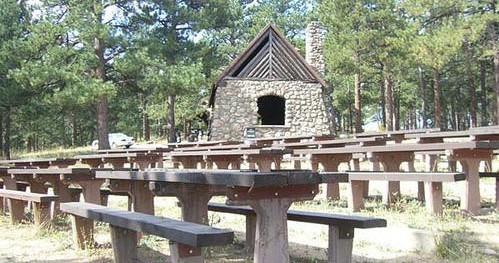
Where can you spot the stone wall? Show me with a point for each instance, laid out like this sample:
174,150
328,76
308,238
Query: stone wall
236,109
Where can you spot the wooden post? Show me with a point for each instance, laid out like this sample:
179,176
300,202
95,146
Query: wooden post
271,238
16,209
180,253
497,193
391,163
340,244
124,242
91,190
83,232
433,192
41,214
250,233
356,195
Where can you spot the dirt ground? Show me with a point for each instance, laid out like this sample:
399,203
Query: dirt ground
477,239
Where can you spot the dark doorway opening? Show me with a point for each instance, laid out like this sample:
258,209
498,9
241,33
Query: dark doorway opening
271,110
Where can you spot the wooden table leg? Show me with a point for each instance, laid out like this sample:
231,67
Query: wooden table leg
63,193
91,190
271,239
391,163
470,201
142,197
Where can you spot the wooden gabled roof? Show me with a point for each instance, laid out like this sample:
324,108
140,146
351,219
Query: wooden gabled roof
269,56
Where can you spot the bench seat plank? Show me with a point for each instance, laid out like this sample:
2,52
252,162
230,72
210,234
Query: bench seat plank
341,227
188,233
41,206
27,196
406,176
308,216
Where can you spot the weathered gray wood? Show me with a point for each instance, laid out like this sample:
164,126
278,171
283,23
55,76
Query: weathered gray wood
179,231
341,227
406,176
271,237
27,196
215,177
124,242
340,244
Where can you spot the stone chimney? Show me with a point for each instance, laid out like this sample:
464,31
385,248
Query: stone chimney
313,47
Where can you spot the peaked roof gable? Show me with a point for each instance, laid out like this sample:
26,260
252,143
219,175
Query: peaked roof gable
269,56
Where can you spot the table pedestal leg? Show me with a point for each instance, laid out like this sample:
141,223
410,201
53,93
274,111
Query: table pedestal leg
271,239
433,191
194,201
391,163
470,201
470,161
142,197
91,191
63,193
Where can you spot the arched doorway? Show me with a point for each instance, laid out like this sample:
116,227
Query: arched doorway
271,110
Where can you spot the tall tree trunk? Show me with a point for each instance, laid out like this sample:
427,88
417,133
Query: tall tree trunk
495,49
496,77
423,96
436,91
146,127
102,104
170,118
6,146
483,98
389,101
471,83
382,103
74,129
358,105
1,134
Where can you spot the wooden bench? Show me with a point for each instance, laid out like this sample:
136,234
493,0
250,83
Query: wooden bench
432,182
341,227
496,175
186,238
41,206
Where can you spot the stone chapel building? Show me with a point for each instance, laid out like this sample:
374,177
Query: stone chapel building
271,89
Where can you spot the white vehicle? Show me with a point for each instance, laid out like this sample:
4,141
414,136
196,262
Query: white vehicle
116,140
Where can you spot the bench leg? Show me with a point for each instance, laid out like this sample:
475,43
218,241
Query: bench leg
497,193
250,233
124,243
180,253
433,198
356,195
340,244
41,214
83,232
16,209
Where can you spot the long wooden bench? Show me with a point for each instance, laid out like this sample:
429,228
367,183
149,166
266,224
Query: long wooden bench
432,181
41,206
186,238
341,227
494,175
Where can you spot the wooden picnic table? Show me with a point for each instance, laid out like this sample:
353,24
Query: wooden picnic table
269,141
263,157
396,136
61,162
141,160
468,153
60,179
155,149
270,194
